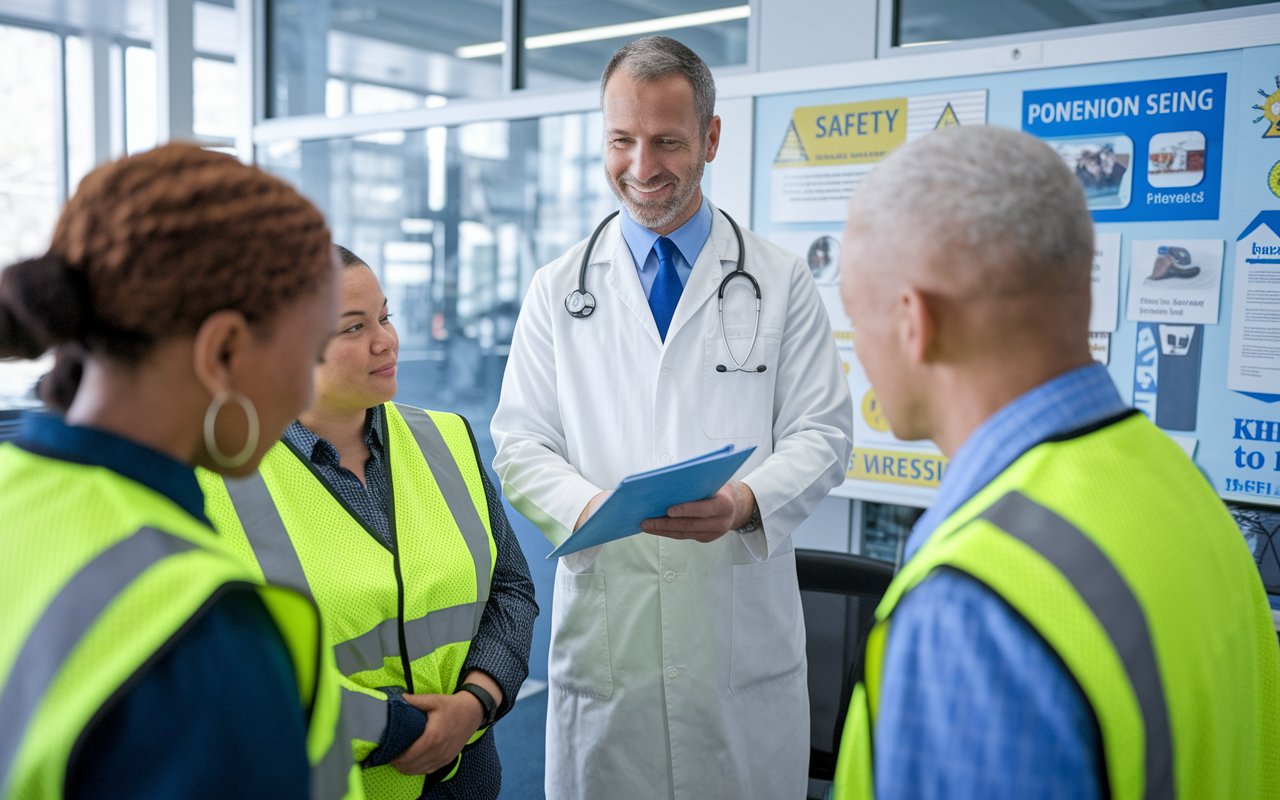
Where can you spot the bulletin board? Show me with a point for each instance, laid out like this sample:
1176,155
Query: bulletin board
1181,166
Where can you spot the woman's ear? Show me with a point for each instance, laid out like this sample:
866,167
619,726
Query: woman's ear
219,349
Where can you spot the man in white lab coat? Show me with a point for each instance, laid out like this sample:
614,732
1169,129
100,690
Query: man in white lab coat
677,662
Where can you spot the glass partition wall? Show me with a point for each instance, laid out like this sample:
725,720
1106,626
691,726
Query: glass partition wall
351,57
921,22
454,221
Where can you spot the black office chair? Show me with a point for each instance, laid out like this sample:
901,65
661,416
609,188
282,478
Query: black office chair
839,593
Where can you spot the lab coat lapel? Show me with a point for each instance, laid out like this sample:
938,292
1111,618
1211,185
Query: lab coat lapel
719,254
624,281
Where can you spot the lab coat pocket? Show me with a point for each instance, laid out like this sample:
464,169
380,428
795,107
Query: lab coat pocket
739,405
579,660
768,626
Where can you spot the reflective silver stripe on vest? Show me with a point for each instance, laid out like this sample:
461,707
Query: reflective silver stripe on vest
454,489
423,636
331,777
1111,600
266,533
360,717
64,623
363,717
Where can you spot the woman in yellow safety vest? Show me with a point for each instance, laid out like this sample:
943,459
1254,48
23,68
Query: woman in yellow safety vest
384,514
188,297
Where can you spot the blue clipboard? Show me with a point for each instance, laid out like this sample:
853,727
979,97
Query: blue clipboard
650,494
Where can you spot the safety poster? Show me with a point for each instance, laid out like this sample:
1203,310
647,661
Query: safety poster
1180,164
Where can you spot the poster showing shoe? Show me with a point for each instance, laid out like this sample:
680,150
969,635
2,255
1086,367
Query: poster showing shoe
1175,280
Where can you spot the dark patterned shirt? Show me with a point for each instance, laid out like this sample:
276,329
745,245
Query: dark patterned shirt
500,648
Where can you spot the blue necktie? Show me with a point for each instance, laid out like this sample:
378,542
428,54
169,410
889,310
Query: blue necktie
665,294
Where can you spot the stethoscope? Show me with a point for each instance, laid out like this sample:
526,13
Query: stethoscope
581,304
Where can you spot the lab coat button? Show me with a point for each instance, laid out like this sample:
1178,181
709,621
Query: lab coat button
666,458
669,576
672,672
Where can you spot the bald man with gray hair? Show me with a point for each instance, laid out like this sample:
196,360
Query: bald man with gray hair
1058,624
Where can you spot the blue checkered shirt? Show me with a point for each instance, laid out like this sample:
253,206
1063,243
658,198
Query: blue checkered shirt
500,648
974,704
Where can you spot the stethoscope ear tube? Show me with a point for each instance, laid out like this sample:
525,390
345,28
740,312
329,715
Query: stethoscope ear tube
581,304
740,272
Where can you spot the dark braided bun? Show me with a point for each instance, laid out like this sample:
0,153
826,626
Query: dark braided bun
149,247
42,302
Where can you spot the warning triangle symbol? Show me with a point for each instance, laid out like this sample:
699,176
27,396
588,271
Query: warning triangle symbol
948,118
792,149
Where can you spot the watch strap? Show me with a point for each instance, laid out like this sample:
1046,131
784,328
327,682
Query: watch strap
486,700
753,523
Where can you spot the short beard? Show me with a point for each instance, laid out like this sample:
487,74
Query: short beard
659,214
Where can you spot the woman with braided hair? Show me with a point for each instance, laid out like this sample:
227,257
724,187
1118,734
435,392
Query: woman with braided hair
188,297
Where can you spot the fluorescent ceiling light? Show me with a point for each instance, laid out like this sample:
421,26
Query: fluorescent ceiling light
611,31
481,50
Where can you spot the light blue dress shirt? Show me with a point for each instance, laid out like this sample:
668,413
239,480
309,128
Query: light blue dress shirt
689,240
974,704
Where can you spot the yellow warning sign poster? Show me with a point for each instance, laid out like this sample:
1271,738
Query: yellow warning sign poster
851,133
826,151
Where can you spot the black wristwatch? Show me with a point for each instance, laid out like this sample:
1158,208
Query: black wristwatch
486,700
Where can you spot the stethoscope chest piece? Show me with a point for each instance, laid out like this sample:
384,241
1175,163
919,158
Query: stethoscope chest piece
580,303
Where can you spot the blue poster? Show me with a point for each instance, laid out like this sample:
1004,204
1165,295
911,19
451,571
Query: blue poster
1144,151
1136,147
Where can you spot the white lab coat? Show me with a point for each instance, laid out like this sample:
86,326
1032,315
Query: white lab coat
677,669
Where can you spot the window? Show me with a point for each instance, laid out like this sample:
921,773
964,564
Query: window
30,168
935,21
571,41
341,57
214,73
140,124
214,98
455,221
29,177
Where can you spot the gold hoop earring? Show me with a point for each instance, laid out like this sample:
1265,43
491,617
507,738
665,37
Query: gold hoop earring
210,421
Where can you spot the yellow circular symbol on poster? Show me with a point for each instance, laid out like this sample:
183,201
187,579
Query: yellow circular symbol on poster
1273,179
872,412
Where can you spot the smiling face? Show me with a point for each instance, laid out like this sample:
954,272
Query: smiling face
359,367
655,148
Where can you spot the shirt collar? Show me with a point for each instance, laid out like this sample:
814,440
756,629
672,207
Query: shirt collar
320,451
689,238
48,435
1063,404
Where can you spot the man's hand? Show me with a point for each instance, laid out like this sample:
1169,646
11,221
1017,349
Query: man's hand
451,721
706,520
590,508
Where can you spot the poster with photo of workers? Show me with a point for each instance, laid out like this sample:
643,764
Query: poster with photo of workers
1143,151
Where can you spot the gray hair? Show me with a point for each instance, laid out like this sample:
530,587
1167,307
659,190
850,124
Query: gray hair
655,57
1004,199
